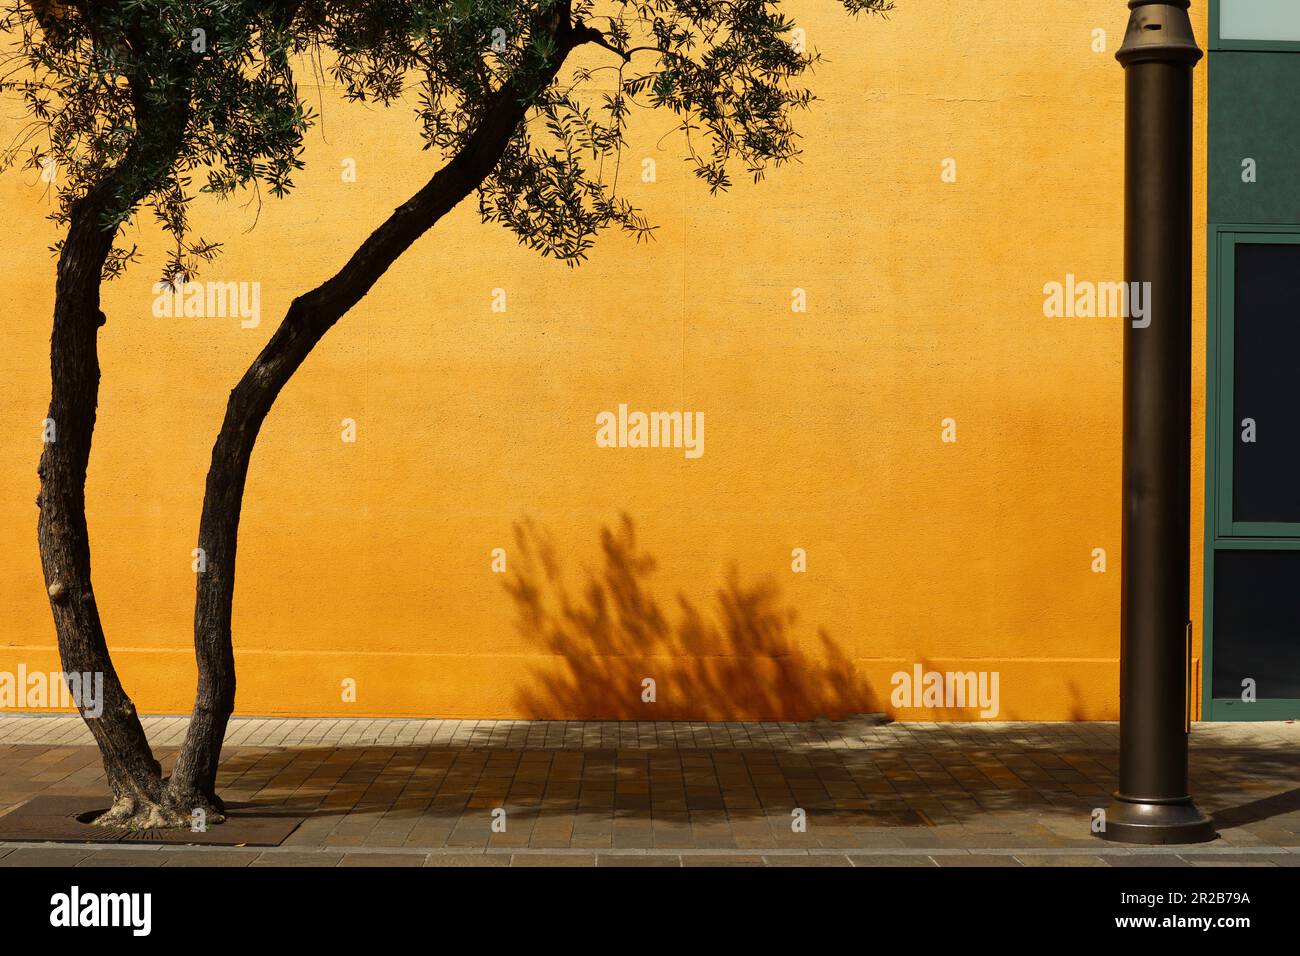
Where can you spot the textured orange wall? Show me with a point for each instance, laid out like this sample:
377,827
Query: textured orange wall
476,429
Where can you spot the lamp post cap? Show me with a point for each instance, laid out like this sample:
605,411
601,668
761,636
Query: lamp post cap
1160,31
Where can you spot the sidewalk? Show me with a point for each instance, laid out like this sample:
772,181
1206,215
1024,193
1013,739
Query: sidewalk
423,792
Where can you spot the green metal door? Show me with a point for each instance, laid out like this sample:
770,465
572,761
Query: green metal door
1252,497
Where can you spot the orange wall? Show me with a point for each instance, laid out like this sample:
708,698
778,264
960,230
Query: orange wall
476,430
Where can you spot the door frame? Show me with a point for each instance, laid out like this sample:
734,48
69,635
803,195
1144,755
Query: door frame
1221,533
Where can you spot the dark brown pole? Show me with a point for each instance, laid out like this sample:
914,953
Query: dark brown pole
1153,804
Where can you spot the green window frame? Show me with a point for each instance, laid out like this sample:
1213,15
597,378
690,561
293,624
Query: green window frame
1221,533
1217,42
1228,238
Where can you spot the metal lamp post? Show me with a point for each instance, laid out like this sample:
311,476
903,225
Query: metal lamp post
1153,804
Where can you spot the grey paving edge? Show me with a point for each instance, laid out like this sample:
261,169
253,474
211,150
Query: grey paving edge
1101,850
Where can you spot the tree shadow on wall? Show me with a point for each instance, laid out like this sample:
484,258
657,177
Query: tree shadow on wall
738,661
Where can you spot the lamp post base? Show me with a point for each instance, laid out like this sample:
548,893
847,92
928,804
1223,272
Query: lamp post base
1155,824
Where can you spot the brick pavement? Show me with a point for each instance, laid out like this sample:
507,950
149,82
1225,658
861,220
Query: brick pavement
423,792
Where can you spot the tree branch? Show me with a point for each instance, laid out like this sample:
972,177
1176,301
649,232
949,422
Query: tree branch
308,318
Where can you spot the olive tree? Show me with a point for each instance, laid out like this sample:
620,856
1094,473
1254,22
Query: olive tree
534,137
126,102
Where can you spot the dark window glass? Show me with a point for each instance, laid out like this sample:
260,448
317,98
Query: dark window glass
1257,623
1266,384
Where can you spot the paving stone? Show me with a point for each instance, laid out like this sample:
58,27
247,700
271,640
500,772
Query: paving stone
890,859
552,859
223,858
1147,859
811,859
975,860
45,856
370,786
293,858
1228,859
383,859
638,860
467,859
1073,859
728,860
120,858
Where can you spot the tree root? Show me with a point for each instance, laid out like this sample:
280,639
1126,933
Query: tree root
135,812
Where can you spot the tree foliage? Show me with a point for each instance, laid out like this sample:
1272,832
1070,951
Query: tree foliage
91,76
96,79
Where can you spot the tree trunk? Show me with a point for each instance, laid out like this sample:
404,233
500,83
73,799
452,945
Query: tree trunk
133,774
307,320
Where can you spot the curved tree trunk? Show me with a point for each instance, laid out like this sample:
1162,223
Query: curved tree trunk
307,320
133,774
